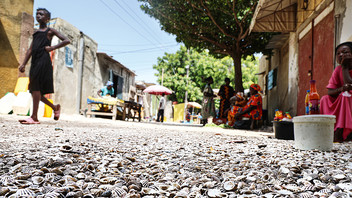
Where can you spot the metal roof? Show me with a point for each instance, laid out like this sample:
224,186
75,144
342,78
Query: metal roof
274,16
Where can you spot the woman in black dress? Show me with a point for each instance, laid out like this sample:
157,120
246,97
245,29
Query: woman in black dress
41,72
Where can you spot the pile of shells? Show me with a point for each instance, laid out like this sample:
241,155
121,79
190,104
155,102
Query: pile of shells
172,165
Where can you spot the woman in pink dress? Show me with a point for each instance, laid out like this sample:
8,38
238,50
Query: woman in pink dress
338,102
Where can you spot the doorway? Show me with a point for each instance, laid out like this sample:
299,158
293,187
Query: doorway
118,86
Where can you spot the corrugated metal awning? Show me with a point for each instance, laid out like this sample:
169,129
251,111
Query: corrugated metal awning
274,16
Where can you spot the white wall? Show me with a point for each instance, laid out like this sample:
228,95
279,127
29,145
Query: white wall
346,24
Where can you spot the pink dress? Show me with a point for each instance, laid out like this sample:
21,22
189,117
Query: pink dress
340,106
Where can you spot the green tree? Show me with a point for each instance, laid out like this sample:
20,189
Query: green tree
220,26
172,67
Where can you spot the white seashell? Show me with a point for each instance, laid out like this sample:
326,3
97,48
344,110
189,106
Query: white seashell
38,180
24,193
149,191
81,176
229,185
339,177
214,193
210,184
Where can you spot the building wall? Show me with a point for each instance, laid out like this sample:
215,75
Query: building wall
15,18
94,70
343,11
316,54
107,64
67,73
293,72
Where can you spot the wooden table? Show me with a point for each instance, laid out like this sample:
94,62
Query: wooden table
132,107
113,113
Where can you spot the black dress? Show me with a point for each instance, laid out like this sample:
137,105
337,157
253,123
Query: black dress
41,72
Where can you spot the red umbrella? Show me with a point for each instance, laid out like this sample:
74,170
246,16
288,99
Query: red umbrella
157,90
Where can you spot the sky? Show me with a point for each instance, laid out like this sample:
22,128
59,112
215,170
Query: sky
121,29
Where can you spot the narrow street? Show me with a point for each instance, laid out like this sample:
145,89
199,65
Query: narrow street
81,157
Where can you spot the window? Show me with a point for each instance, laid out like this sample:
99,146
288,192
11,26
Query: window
272,76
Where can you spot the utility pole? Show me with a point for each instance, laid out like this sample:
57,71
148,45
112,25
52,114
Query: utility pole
162,76
186,94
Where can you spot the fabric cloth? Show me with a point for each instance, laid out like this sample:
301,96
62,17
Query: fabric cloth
41,71
340,106
225,93
105,91
256,87
109,83
254,100
231,115
208,107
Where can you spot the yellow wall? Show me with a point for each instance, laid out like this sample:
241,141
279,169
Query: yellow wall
179,110
12,15
302,14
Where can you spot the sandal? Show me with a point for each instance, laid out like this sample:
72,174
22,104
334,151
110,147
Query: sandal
29,121
57,112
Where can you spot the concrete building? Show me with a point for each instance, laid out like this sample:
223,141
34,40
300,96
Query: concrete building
79,71
304,49
16,26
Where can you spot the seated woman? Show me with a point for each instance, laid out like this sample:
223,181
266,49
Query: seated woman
338,102
236,102
253,108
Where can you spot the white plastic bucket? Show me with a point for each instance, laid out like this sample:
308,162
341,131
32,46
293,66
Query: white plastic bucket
22,103
6,103
314,132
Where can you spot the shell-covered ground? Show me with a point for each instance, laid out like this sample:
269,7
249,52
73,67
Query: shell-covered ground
79,157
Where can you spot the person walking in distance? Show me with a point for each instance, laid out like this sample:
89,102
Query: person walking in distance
41,71
162,104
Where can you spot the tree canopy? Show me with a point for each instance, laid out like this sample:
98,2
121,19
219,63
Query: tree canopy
172,72
220,26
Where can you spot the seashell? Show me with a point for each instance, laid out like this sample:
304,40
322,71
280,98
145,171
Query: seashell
210,184
96,192
163,187
292,187
4,190
7,180
81,176
57,171
214,193
88,196
37,173
145,183
149,191
16,168
38,180
62,190
24,193
174,186
306,195
53,195
50,177
229,185
308,187
44,170
339,177
74,194
23,183
23,176
136,187
108,180
119,192
107,193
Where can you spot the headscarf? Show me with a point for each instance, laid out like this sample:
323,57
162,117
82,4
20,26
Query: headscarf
256,87
348,44
109,83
